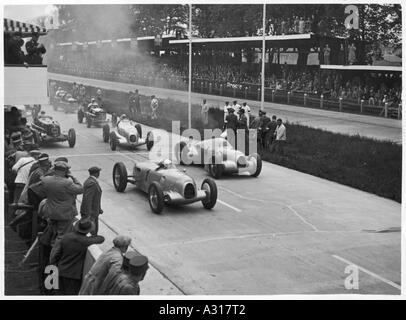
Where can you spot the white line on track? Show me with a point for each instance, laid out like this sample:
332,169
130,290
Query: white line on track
376,276
229,205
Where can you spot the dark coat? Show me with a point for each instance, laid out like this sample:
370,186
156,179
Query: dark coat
61,197
69,254
232,121
91,201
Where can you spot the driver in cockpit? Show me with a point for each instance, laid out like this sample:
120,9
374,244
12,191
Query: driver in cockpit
165,164
92,104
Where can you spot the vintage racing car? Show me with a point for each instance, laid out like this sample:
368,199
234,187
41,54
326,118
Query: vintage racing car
218,157
165,184
65,101
45,129
126,133
93,115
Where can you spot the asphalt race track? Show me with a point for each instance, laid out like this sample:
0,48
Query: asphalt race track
284,232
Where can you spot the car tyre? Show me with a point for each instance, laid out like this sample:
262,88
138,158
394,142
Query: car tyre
156,197
71,138
80,116
113,141
216,170
120,177
210,187
139,129
106,133
259,164
150,141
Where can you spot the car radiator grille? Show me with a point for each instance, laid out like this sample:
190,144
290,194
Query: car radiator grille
189,191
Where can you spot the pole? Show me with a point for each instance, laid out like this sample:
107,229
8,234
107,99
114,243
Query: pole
263,58
190,70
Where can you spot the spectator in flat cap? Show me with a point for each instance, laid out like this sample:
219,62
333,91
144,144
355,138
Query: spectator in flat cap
111,259
127,282
91,201
69,256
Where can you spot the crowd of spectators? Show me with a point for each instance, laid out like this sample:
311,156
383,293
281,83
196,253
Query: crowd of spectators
42,201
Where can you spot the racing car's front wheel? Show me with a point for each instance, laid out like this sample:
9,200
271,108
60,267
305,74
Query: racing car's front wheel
156,197
106,133
210,187
80,116
258,162
89,121
150,141
216,170
113,141
120,177
71,138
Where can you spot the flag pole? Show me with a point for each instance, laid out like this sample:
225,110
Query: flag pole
190,70
263,58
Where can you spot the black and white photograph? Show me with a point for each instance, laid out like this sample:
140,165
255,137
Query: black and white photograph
203,149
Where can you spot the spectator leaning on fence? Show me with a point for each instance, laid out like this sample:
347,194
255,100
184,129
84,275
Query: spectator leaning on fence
69,256
111,259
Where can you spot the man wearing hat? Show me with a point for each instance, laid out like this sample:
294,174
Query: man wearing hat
39,169
242,120
110,260
69,256
91,201
126,281
34,50
59,207
231,119
22,170
154,107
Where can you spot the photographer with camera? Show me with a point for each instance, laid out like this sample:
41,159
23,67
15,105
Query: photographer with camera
35,50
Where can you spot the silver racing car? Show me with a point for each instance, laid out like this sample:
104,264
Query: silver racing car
126,133
218,157
165,184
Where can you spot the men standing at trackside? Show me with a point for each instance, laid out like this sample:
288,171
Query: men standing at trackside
271,126
247,111
236,106
205,113
111,259
280,136
91,201
69,256
154,107
59,208
226,106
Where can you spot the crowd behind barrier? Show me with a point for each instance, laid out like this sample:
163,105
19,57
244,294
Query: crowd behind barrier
302,86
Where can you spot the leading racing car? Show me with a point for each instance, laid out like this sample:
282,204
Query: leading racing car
126,133
165,184
218,157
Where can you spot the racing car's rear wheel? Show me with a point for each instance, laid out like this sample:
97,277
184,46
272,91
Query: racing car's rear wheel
113,141
106,133
80,116
156,197
71,138
120,177
216,170
210,187
258,161
150,141
139,129
89,121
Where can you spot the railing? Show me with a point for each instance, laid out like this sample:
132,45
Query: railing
248,91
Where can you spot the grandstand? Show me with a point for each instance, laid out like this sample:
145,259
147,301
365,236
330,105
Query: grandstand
294,72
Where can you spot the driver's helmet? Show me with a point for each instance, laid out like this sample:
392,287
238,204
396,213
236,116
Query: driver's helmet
123,116
93,100
166,163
